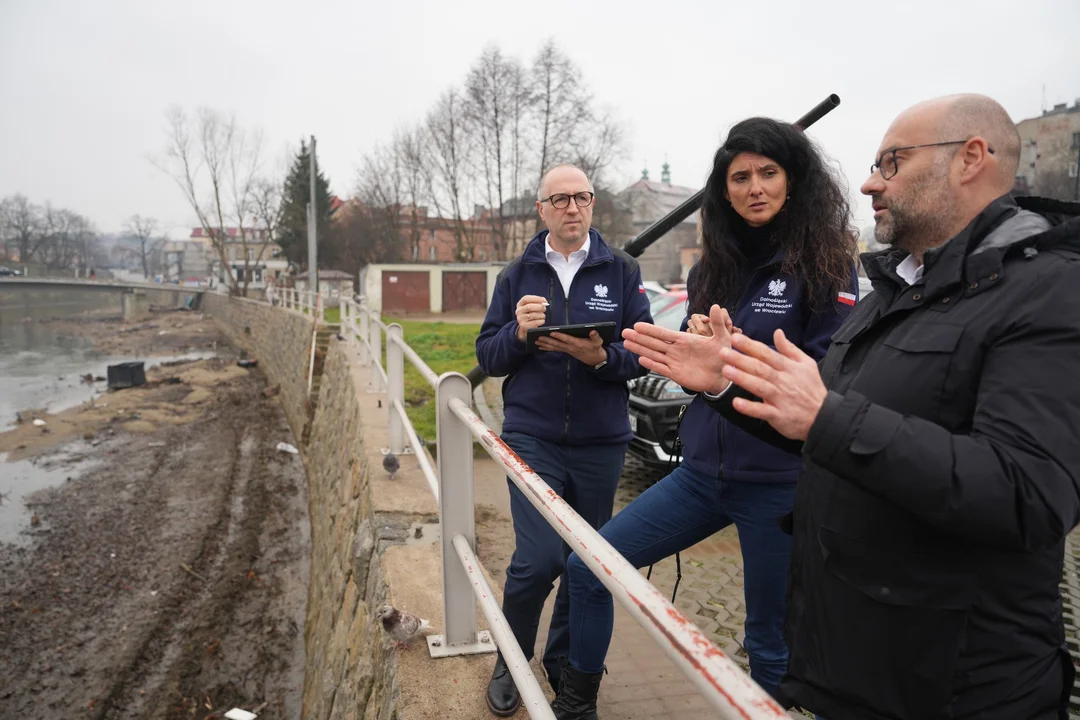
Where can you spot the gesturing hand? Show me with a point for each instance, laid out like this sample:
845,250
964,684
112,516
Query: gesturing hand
786,379
693,361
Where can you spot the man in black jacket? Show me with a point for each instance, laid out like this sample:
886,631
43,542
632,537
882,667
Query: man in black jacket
940,437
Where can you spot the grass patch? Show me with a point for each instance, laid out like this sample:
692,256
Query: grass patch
445,347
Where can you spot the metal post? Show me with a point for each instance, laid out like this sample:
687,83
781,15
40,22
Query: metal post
395,378
343,314
313,254
376,357
364,333
1076,185
455,518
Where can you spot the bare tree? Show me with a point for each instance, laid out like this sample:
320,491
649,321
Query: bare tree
561,109
451,143
144,231
267,208
20,224
217,165
413,154
66,240
380,189
498,100
566,126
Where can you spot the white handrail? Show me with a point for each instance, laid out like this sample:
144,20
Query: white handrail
720,680
417,361
532,695
723,683
420,451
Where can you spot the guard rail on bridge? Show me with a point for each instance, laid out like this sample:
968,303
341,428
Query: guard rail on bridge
723,683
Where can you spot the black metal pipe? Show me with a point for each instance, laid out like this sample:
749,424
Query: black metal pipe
820,110
636,246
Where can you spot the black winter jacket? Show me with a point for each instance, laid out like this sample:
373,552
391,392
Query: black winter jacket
940,480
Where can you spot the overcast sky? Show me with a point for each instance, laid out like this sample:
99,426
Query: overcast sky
84,86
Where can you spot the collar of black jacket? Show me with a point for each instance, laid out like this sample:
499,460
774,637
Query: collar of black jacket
976,253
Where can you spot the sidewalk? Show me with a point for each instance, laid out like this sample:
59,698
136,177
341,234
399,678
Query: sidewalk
641,681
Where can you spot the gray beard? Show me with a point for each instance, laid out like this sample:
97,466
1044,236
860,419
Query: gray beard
920,221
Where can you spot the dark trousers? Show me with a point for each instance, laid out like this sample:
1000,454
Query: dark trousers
679,511
586,477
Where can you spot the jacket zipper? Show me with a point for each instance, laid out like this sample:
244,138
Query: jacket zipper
566,316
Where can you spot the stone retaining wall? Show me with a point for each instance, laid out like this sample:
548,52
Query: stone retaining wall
363,526
279,339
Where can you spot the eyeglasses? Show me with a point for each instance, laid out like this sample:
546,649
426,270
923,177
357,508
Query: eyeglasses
888,167
562,200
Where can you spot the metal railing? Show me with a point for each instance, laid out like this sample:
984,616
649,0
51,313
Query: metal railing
302,301
723,683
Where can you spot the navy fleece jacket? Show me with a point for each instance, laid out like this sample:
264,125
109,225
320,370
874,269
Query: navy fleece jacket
551,395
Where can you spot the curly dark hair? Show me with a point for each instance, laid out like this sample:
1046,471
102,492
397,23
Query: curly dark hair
814,227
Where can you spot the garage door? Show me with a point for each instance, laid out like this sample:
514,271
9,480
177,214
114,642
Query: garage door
464,291
405,292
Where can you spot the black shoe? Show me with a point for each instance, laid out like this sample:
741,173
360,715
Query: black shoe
577,694
503,699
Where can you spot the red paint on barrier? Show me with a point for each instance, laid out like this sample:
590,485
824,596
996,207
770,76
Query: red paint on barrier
769,704
700,646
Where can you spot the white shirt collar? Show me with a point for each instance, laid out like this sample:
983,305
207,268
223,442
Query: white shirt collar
910,270
581,252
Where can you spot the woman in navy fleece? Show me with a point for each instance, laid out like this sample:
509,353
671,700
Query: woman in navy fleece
778,252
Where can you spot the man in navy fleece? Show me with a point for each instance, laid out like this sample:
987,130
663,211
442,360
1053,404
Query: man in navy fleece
566,407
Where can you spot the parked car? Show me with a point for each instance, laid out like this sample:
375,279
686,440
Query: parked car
657,402
9,272
652,289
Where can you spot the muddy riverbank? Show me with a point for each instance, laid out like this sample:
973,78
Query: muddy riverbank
154,545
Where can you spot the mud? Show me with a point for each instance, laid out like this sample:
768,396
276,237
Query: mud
165,574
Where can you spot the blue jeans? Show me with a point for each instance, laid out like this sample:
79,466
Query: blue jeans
679,511
586,477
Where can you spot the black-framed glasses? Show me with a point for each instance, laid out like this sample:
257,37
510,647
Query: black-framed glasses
562,200
888,167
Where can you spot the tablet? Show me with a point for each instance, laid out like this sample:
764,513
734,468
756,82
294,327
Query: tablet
606,330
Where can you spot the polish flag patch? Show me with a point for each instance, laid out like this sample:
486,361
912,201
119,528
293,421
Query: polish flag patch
846,298
641,289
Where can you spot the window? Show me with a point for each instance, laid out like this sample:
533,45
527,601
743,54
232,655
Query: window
1074,169
432,252
239,274
250,254
1076,140
483,255
257,275
416,252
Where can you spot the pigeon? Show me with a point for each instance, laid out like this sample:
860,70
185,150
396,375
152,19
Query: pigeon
401,626
391,464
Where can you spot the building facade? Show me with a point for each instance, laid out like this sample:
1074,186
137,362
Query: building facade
1050,154
250,256
648,201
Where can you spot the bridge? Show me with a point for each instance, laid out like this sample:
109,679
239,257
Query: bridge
43,298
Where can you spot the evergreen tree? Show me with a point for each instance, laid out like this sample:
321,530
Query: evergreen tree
294,201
